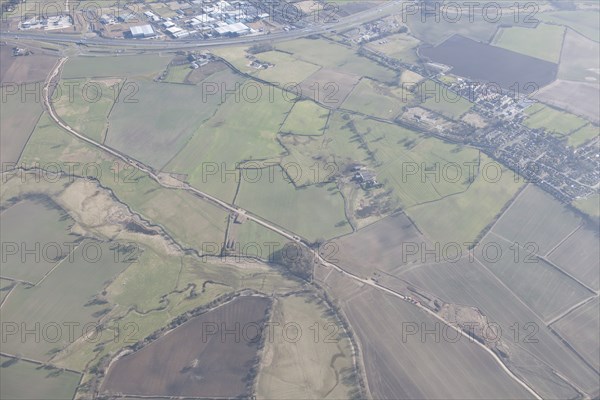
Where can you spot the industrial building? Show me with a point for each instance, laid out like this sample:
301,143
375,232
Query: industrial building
142,31
232,29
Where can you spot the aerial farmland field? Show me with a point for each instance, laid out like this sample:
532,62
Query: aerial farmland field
544,289
198,369
583,135
298,199
54,299
389,237
580,21
418,169
407,365
306,118
574,327
482,200
87,107
211,157
19,118
18,70
115,66
398,46
44,225
446,103
477,26
578,256
332,55
579,98
544,41
319,209
18,375
468,283
329,86
577,61
151,201
323,343
370,98
553,121
166,128
541,220
286,69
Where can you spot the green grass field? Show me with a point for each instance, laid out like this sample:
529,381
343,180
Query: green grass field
177,73
18,117
145,281
239,131
466,214
543,42
417,169
589,205
372,98
30,225
583,135
158,125
191,220
434,31
400,46
322,157
23,380
306,118
336,56
556,122
57,300
115,66
252,239
312,212
437,98
85,104
582,21
287,68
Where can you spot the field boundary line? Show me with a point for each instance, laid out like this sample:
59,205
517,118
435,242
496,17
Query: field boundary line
56,266
564,240
37,121
550,263
594,292
6,297
38,362
398,269
17,280
569,346
509,289
499,217
572,309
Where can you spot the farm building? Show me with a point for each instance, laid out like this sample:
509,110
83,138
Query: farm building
366,179
142,31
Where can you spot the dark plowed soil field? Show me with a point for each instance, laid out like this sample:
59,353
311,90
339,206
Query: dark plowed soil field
208,356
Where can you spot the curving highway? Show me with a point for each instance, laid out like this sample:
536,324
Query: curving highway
157,45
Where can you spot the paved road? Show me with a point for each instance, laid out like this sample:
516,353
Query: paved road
164,182
156,45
